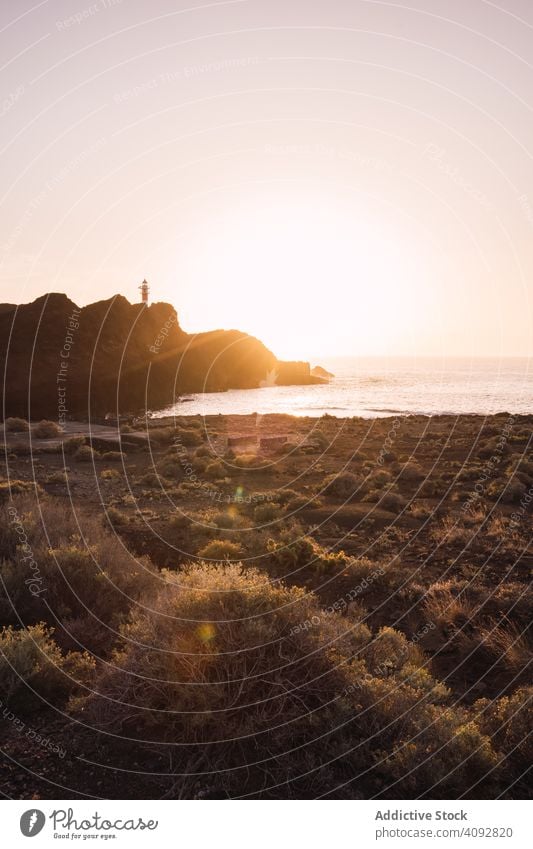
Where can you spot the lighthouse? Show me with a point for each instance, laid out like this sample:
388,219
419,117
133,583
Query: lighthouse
144,287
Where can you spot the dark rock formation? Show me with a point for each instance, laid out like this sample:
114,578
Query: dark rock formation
322,373
61,361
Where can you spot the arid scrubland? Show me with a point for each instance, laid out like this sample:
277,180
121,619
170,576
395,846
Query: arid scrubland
344,616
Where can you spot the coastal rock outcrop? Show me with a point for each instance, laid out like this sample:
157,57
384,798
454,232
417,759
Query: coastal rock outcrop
60,360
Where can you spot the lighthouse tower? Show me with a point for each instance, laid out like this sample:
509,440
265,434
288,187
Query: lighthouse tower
145,289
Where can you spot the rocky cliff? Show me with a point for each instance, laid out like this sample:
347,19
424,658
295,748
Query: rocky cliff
59,360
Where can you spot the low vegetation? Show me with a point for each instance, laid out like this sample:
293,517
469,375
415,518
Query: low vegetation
333,621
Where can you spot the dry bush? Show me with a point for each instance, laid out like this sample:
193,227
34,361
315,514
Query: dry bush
171,468
203,451
179,521
113,456
445,605
493,446
380,478
110,474
154,481
59,476
248,461
199,464
215,470
512,491
116,517
420,510
190,437
475,517
16,425
34,670
389,651
392,501
221,549
267,512
452,532
282,496
253,680
47,430
84,573
71,445
344,486
161,435
508,721
11,488
302,502
85,454
411,472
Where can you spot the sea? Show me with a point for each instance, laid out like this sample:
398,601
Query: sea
373,387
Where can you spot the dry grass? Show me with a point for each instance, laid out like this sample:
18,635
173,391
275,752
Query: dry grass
444,605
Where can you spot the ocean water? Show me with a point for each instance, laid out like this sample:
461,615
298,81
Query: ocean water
376,386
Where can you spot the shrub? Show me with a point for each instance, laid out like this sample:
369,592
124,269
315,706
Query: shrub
59,476
89,578
15,425
33,669
508,721
171,468
110,474
381,477
71,445
190,437
11,488
299,502
512,491
344,485
154,481
112,456
47,430
282,496
224,519
496,445
161,435
215,470
179,521
221,549
199,464
411,471
231,665
390,651
117,517
267,512
392,501
247,461
203,451
85,454
292,550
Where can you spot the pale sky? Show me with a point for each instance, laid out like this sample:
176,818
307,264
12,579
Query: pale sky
332,176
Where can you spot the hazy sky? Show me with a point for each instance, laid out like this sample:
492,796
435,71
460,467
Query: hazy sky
333,176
